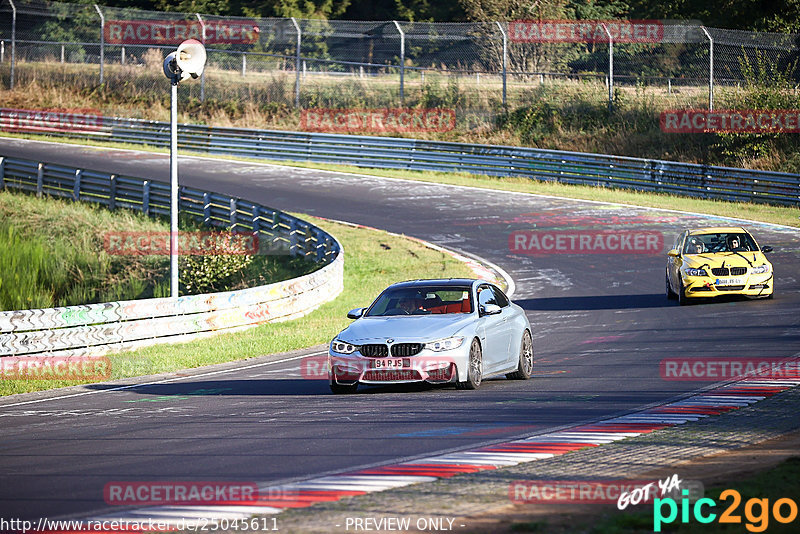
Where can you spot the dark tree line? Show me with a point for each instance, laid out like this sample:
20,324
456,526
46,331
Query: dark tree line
758,15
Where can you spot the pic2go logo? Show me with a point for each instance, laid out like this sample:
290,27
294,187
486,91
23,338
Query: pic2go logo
783,511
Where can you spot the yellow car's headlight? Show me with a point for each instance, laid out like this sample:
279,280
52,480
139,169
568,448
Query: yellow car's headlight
761,269
695,272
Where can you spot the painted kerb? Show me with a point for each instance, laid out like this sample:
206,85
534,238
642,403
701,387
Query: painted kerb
704,181
112,326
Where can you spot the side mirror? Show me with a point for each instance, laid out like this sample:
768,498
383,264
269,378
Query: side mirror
356,313
766,249
674,253
491,309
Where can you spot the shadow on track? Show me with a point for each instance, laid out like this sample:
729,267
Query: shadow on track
595,302
256,387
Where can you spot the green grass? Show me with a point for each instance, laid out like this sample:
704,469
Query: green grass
373,260
53,254
788,216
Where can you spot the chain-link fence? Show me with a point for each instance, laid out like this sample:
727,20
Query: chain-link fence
317,63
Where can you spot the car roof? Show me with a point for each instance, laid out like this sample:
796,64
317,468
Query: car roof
718,230
446,282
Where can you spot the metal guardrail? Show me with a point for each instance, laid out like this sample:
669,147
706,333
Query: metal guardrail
704,181
106,327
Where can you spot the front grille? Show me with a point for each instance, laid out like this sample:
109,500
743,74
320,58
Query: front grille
738,271
378,350
720,271
730,288
380,375
401,350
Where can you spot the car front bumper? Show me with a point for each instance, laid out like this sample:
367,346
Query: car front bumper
427,366
751,285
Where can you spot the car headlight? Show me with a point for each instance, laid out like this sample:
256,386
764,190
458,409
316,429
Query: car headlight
445,344
343,347
695,272
761,269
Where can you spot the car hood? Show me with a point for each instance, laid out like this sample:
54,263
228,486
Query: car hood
730,259
421,328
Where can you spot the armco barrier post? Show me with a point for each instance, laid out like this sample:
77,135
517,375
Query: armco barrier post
102,42
402,61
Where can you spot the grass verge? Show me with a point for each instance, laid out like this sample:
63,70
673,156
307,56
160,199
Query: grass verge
788,216
374,259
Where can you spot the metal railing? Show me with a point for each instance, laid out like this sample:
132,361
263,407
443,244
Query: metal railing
704,181
110,326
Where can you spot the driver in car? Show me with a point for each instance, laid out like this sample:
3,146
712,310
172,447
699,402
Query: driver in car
696,246
408,305
734,244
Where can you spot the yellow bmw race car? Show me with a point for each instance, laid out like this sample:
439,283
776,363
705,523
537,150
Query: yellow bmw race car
709,262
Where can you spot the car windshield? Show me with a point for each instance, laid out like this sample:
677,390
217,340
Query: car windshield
423,300
722,242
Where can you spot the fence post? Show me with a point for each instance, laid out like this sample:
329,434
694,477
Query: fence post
2,173
505,59
610,69
402,61
710,69
13,40
102,41
244,65
297,64
122,56
202,74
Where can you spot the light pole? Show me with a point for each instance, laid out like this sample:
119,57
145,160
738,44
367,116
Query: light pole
188,60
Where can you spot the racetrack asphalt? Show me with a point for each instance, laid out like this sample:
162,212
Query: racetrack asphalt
601,326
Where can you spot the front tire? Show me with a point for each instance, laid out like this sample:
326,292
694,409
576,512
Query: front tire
474,368
525,366
670,294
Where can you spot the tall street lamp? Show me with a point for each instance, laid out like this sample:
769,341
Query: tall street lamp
188,60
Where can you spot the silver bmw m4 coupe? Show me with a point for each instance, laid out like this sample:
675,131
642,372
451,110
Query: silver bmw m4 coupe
457,331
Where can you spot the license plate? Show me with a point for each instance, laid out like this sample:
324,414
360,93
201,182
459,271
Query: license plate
729,282
391,363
